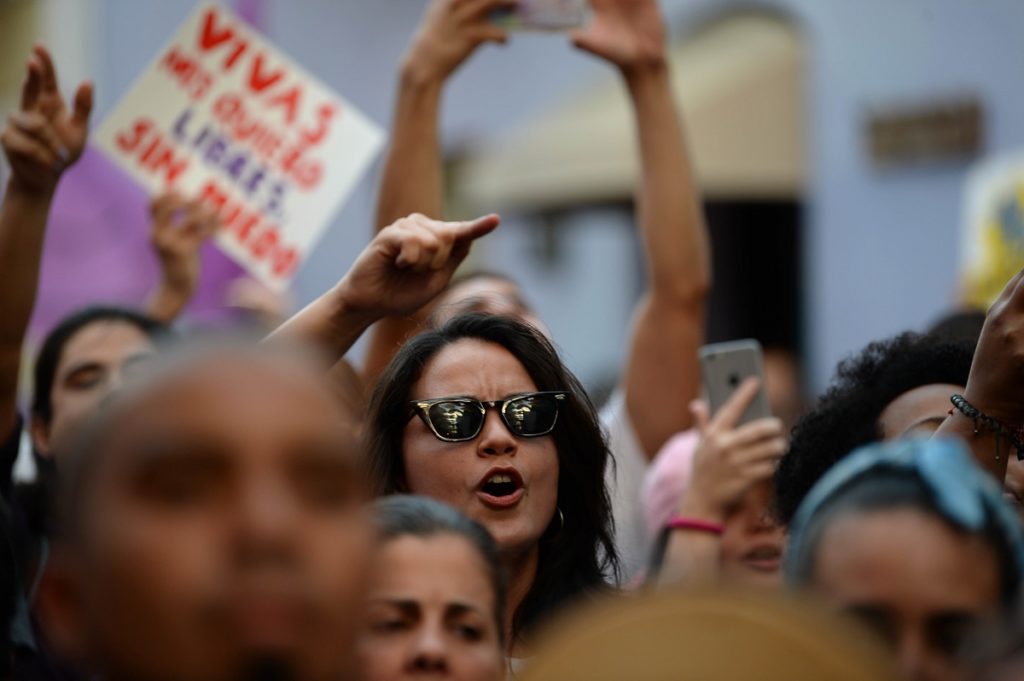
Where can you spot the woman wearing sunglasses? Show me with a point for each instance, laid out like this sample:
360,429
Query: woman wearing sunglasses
481,414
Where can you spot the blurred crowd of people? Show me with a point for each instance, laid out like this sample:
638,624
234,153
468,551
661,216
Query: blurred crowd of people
256,505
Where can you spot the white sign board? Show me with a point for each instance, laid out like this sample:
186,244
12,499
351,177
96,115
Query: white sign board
223,115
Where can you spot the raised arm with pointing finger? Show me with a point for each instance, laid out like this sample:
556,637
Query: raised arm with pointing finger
41,140
403,268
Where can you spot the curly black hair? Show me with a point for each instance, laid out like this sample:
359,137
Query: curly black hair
847,415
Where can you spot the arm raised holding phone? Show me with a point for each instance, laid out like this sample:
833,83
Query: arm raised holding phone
451,31
662,374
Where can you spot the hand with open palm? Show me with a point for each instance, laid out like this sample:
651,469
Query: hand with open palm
628,33
45,137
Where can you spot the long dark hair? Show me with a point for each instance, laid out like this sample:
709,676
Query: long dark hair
408,515
578,554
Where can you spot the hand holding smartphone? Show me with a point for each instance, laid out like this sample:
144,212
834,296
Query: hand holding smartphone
542,15
725,367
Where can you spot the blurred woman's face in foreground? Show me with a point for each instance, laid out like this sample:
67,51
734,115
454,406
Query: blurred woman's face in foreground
431,612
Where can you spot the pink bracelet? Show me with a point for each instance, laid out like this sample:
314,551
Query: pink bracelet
680,523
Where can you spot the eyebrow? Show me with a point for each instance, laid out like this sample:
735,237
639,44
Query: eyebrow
93,364
507,396
81,366
166,447
412,605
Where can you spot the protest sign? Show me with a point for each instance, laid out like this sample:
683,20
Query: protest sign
223,115
992,249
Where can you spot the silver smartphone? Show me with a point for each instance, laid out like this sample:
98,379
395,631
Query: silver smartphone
725,366
543,15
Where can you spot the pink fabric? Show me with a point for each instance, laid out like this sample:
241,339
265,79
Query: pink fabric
667,480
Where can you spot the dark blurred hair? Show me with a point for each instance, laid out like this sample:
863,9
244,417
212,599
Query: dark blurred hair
886,490
961,326
847,415
9,585
409,515
53,347
575,559
444,310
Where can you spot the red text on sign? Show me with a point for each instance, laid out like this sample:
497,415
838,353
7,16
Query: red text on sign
152,151
262,241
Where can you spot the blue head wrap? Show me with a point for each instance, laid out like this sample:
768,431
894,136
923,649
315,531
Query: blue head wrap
965,496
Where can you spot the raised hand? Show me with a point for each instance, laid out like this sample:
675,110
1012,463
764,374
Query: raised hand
44,137
628,33
730,460
408,264
180,228
450,32
997,374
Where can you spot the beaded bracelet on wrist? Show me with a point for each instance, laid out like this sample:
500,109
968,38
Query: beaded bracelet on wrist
1013,434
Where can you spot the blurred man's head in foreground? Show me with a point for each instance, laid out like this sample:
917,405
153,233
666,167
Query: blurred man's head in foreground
213,526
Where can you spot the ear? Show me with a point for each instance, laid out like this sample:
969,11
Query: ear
59,607
39,430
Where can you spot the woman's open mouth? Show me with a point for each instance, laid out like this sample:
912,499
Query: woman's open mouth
501,488
764,559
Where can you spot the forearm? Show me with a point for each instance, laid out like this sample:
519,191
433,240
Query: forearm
690,559
662,374
412,183
168,301
23,217
692,556
327,324
669,206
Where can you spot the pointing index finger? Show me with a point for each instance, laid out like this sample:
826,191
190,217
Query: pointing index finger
474,229
33,83
49,73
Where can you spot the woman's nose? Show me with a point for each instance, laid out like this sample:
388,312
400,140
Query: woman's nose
495,438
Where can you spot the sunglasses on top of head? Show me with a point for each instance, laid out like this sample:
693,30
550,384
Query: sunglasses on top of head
460,419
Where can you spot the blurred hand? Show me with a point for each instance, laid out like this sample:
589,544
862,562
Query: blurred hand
264,305
730,460
180,228
628,33
408,263
450,32
44,138
997,374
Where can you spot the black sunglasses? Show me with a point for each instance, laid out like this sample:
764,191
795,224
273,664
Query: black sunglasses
460,419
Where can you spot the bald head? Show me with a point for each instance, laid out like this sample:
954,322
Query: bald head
219,500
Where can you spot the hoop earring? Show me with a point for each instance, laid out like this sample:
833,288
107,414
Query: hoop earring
561,519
